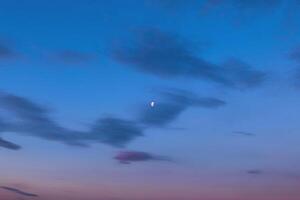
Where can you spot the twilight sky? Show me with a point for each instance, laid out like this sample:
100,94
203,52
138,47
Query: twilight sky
77,79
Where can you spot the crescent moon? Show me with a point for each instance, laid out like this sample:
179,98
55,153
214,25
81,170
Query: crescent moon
152,104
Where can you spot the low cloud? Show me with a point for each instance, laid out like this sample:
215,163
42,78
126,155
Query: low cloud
167,55
127,157
17,191
171,104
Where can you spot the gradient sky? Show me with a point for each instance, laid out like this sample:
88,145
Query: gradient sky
77,79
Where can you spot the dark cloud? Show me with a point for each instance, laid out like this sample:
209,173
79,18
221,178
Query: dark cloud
4,143
17,191
126,157
9,145
22,107
73,57
31,119
172,104
254,172
35,120
116,132
168,56
244,133
242,74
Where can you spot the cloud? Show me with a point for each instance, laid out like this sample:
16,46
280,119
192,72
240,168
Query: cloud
73,57
35,120
169,56
242,74
116,132
172,104
126,157
4,143
254,172
244,133
28,118
17,191
9,145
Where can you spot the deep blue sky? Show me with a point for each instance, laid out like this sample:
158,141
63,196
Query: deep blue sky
77,79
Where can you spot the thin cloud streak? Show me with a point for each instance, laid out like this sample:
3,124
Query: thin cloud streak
17,191
254,172
127,157
9,145
244,133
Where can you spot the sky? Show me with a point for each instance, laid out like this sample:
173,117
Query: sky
149,100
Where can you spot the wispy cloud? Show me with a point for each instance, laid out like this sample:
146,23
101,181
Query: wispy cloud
9,145
244,133
116,132
169,56
171,104
254,172
126,157
35,120
17,191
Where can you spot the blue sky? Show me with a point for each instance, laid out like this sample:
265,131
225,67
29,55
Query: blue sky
77,79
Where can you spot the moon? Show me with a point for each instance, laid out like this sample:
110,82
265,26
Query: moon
152,103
